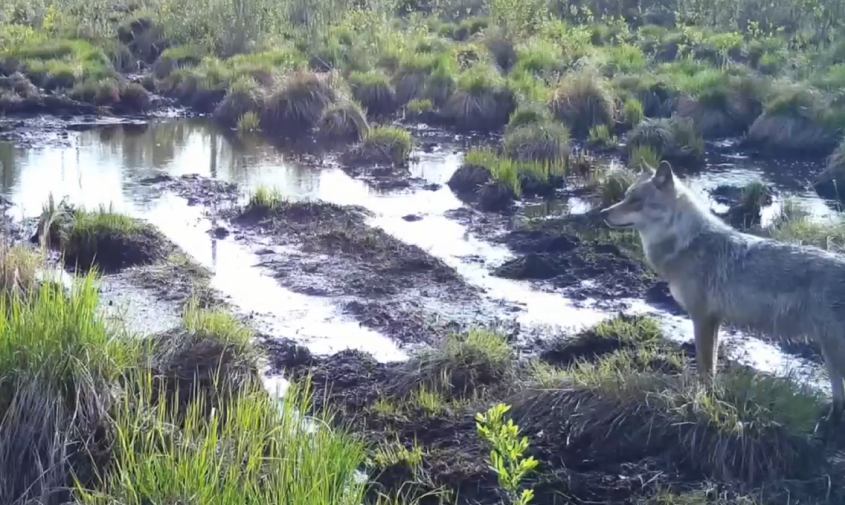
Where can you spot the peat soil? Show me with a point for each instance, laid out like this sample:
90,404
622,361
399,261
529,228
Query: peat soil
576,254
575,467
329,250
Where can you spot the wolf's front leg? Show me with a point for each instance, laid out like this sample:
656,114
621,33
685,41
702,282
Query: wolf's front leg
837,388
706,330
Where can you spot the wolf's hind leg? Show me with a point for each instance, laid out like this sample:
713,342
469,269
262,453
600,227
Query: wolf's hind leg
834,361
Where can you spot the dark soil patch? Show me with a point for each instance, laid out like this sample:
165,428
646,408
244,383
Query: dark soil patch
554,253
329,250
198,190
177,280
387,177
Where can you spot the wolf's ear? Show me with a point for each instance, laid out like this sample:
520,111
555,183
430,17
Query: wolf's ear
646,168
663,177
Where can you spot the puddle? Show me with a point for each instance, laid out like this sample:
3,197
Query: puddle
104,166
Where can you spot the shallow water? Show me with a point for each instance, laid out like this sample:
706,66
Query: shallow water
104,166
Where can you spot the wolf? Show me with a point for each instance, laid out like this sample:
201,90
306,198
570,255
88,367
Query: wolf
718,274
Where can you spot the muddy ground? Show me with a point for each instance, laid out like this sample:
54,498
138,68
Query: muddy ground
575,467
321,249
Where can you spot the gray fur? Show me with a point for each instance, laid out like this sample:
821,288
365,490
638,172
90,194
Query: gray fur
718,274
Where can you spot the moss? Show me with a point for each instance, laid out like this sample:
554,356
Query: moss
374,91
583,101
538,141
296,105
481,102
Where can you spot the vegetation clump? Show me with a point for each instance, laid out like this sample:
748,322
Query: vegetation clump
481,102
101,238
374,91
796,119
244,96
583,101
296,105
671,139
344,120
382,145
463,366
539,141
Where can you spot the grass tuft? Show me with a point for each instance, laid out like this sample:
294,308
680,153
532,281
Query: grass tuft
583,101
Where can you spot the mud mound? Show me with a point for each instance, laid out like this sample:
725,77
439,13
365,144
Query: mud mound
329,250
612,272
102,239
189,364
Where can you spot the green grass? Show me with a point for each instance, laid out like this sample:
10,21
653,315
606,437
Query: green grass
387,143
345,119
582,101
266,200
249,122
510,172
611,184
462,366
538,142
752,427
374,91
601,137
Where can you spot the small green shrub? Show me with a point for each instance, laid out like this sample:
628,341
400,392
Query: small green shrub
612,184
672,138
506,457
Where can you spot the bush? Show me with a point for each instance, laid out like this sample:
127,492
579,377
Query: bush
481,101
297,104
583,101
672,138
546,141
374,91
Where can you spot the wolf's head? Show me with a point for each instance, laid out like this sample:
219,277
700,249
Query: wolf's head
649,203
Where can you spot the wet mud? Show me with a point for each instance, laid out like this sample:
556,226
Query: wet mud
328,250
